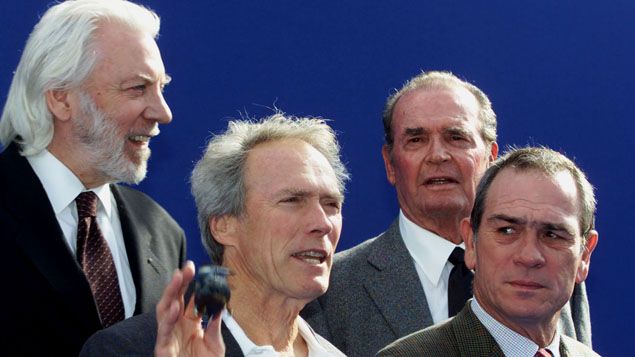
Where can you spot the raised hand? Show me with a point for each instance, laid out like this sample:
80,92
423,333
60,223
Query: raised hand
179,328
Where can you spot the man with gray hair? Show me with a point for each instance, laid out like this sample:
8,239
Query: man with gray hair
84,252
269,196
529,241
440,136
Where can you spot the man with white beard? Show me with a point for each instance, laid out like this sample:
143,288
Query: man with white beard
80,251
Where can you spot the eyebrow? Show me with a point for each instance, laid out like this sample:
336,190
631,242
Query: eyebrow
293,192
419,131
414,131
558,227
166,79
458,130
521,221
506,218
303,193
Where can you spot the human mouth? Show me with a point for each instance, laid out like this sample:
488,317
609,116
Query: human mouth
435,181
526,284
313,257
140,139
144,137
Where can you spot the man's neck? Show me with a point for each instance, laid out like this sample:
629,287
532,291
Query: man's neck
447,227
540,331
267,319
79,167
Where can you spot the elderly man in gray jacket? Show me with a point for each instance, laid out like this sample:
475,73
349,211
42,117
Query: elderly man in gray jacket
440,136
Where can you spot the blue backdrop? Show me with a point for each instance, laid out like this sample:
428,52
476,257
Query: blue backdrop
558,73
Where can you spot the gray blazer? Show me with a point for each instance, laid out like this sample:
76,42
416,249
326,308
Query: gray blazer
375,297
464,335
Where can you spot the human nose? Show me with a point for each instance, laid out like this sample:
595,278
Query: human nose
530,253
319,221
158,109
438,151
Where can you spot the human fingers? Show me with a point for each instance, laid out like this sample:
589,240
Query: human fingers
214,338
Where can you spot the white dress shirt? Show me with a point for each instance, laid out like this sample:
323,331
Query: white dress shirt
62,187
430,253
512,343
317,348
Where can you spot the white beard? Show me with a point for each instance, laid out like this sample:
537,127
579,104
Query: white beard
104,147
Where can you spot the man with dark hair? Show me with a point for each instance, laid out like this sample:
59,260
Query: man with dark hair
440,136
529,241
83,252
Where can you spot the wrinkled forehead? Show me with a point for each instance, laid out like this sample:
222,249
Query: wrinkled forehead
112,39
423,105
289,165
123,55
535,193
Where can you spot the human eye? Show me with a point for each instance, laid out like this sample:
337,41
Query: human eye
334,205
136,90
506,230
290,199
414,142
551,235
458,137
556,236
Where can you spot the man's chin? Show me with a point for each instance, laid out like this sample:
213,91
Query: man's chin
317,288
128,172
138,176
138,156
448,208
139,173
136,167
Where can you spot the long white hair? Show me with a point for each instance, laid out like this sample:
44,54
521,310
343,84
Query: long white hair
59,55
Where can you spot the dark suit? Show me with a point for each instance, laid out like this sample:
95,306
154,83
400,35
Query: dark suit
465,335
136,337
47,305
375,297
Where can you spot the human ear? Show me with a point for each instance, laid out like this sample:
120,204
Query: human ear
468,238
223,229
390,170
585,262
57,101
493,152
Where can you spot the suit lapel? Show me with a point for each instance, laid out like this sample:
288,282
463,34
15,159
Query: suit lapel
144,265
564,349
572,347
472,337
40,238
394,286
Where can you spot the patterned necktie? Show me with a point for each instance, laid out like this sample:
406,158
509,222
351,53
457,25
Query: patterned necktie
459,283
96,261
543,352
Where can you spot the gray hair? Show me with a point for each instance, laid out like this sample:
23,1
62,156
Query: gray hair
546,161
218,181
59,55
440,80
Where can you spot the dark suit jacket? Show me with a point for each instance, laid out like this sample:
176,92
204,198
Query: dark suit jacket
375,296
47,306
464,335
136,337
